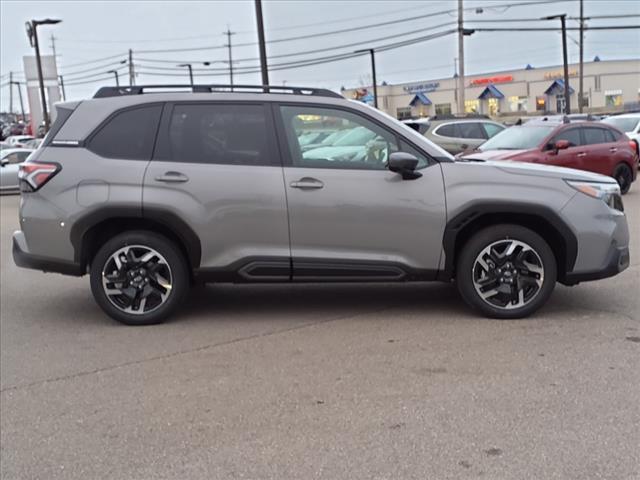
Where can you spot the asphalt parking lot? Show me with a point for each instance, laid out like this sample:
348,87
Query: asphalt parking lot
317,381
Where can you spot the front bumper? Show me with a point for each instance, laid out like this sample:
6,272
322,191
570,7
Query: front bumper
617,260
23,258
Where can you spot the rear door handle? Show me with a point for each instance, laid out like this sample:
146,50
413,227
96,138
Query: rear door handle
613,149
172,177
581,154
307,183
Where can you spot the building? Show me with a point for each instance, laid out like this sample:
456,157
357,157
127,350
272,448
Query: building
609,86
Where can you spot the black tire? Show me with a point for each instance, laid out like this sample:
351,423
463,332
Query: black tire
172,259
624,176
466,270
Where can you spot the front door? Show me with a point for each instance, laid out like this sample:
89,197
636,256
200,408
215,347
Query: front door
218,169
349,217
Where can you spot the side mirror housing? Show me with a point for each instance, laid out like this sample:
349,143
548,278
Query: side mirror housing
404,164
4,162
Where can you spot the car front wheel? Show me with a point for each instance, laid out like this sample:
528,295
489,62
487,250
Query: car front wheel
506,271
624,177
139,278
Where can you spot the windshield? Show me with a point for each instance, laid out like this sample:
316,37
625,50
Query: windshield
626,124
518,138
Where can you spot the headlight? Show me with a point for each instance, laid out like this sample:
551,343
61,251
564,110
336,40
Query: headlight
609,193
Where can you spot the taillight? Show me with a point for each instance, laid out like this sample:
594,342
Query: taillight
33,175
634,146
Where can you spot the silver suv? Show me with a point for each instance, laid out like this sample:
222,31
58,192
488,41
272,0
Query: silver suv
149,191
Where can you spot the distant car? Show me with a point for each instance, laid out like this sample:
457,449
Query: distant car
454,134
592,146
19,141
10,159
629,123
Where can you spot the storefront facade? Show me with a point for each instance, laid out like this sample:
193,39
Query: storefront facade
609,86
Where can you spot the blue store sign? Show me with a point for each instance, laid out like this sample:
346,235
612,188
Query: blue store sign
422,87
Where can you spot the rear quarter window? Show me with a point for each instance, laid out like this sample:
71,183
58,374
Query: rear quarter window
128,134
447,130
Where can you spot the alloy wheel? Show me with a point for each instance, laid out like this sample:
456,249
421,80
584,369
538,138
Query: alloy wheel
508,274
137,279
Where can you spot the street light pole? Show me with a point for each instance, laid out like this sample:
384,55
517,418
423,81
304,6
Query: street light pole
32,32
565,60
115,73
188,65
460,58
372,52
261,41
581,93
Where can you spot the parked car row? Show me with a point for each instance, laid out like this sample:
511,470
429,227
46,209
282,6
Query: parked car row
607,146
10,160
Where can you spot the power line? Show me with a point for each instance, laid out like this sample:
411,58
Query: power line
92,69
345,30
120,55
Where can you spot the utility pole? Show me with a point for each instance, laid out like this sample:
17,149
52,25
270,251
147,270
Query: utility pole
228,33
64,94
581,93
17,84
10,92
261,41
372,52
565,60
132,75
460,58
53,49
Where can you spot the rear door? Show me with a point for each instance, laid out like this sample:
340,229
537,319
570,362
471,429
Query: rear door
217,167
472,135
350,217
601,149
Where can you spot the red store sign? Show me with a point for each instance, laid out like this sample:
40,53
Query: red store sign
487,80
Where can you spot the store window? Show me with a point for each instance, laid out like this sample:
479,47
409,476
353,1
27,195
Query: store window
493,106
541,104
518,104
471,106
597,83
443,109
613,98
403,113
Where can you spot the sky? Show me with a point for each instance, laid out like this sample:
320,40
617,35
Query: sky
94,30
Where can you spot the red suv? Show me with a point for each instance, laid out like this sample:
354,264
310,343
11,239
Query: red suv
592,146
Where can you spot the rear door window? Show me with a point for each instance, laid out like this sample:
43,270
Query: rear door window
219,133
471,130
447,130
129,134
492,129
594,136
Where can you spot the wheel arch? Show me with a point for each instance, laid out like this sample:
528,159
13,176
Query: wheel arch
91,231
540,219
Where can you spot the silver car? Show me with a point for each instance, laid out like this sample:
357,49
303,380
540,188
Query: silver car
10,159
456,134
148,193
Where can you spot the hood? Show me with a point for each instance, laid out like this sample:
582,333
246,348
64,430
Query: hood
542,170
493,154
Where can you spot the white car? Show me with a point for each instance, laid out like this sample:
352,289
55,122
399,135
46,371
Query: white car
10,159
629,123
18,141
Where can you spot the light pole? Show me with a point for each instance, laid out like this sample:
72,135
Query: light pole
188,65
115,73
64,94
372,52
563,19
261,42
32,33
20,96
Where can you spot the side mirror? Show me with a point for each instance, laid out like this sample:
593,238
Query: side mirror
562,145
4,161
404,164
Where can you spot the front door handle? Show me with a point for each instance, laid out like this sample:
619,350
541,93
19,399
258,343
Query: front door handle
172,177
307,183
581,154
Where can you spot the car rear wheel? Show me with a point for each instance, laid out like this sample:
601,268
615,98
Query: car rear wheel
624,177
506,271
139,278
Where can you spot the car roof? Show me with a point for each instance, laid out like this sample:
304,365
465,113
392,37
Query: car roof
626,115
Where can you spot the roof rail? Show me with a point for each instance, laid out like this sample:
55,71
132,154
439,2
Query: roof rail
104,92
